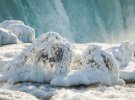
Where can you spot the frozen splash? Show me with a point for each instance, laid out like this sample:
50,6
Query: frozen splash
53,59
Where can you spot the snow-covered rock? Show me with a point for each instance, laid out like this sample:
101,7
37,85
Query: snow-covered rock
7,37
22,31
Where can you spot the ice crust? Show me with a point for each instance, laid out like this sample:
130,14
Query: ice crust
54,60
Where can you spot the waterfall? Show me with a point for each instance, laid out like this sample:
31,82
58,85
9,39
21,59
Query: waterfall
77,20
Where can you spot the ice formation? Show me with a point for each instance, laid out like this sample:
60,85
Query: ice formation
5,23
7,37
97,66
38,60
55,60
23,32
128,73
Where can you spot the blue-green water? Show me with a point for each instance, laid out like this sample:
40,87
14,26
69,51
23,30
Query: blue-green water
78,20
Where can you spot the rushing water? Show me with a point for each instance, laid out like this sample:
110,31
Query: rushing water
78,20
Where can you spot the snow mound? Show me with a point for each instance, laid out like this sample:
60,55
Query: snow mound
7,37
15,95
55,60
23,32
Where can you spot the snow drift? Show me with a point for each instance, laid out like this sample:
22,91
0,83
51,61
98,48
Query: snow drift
22,31
7,37
55,60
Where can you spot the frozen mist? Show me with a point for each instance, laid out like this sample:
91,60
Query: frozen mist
78,20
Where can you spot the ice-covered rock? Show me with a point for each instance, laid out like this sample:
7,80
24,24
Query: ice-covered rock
44,58
98,66
55,60
7,37
128,73
5,23
22,31
123,53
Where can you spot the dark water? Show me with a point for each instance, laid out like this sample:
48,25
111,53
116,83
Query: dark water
78,20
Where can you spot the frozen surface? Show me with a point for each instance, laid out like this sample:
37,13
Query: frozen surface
22,31
15,95
7,37
95,92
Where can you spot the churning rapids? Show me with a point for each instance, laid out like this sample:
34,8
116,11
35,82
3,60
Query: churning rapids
54,68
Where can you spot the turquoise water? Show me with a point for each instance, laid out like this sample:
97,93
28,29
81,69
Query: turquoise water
77,20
